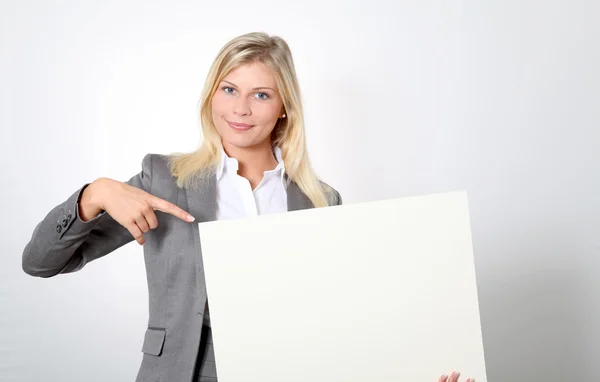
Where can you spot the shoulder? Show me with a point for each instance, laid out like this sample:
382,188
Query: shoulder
158,165
158,168
333,196
180,169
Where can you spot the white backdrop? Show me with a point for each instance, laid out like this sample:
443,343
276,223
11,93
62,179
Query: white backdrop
402,98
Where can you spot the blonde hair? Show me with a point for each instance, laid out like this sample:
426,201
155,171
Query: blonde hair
194,168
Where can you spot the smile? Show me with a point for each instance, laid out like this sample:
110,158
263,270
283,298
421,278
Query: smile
240,126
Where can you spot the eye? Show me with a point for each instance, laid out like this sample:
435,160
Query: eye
266,96
227,88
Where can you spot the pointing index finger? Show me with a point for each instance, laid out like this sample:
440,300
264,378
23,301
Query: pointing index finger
170,208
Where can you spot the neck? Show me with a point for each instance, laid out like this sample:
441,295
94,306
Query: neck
253,161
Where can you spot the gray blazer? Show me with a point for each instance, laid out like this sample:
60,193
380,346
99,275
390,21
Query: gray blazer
62,243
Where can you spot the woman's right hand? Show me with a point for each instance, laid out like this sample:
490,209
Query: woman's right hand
130,206
453,378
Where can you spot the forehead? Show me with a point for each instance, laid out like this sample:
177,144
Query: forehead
252,75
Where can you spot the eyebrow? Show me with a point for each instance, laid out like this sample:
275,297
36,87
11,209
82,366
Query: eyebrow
258,88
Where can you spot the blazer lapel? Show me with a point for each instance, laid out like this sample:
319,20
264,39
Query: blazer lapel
202,201
202,204
296,200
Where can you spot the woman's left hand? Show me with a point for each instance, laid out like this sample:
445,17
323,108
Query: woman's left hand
453,378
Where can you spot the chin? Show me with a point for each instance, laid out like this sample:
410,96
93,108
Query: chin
237,142
240,140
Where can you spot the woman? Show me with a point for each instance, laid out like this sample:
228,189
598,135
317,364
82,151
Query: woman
253,160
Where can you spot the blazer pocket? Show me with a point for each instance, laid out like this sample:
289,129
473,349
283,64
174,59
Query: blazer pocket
154,341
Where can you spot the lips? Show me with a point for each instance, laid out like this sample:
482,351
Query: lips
239,126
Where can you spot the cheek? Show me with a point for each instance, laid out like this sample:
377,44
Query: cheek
269,113
219,105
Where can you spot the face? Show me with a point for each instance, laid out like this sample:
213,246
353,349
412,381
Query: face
246,106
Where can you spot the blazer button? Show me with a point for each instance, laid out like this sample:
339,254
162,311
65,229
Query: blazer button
65,222
58,228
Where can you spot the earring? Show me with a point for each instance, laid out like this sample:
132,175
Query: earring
283,116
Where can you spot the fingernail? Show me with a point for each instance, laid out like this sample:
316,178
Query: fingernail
190,218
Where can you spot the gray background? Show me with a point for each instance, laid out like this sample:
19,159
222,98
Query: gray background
402,98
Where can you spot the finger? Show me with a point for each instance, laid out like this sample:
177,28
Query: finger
454,376
150,217
136,232
170,208
141,222
443,378
470,379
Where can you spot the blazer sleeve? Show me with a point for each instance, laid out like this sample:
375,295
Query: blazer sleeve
63,243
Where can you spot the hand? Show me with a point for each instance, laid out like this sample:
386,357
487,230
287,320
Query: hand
131,207
453,378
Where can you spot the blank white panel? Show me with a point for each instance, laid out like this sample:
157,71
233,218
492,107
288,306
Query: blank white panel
378,291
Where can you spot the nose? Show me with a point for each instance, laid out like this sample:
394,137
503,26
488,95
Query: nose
241,107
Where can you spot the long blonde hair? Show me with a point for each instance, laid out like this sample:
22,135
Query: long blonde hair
192,169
